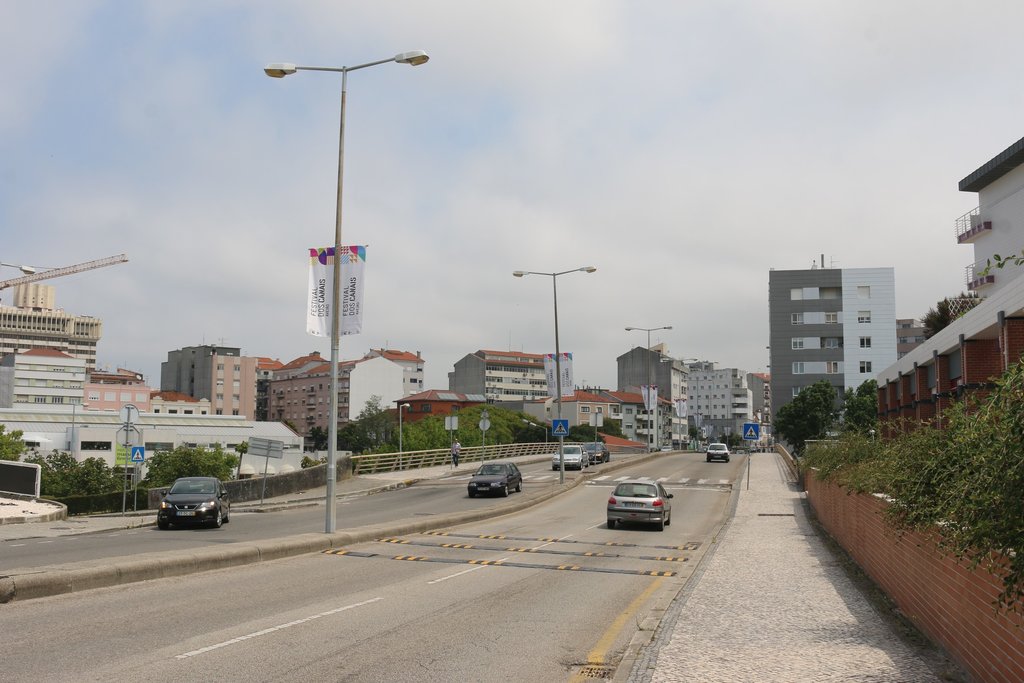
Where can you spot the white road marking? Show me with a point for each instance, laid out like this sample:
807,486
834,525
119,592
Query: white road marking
684,480
723,481
17,545
602,478
621,478
279,627
662,478
701,481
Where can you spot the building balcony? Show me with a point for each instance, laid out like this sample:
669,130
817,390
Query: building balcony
969,226
976,278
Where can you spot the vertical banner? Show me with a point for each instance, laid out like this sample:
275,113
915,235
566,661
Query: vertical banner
321,290
650,394
681,409
550,367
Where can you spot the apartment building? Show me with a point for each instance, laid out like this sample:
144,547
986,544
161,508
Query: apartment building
411,364
721,400
41,377
965,357
910,334
218,373
834,324
107,390
265,369
500,375
34,322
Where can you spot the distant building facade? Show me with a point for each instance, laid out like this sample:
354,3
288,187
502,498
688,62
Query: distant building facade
500,375
218,373
34,323
829,324
910,334
107,390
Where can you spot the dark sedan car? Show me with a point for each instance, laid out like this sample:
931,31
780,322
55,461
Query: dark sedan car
194,500
598,452
496,477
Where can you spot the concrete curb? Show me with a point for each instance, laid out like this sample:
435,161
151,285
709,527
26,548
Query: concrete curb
60,513
58,580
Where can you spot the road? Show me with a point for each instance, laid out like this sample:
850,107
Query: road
568,594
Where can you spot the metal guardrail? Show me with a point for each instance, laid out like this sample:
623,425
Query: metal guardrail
411,460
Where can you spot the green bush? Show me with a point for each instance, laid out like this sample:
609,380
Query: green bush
965,478
104,502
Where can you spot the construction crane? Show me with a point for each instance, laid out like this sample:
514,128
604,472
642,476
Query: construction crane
60,272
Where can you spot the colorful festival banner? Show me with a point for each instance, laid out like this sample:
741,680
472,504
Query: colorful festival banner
321,290
550,368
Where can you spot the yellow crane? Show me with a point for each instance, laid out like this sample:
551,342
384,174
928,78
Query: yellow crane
60,272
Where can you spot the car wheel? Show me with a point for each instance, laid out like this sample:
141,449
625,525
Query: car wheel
709,459
661,524
727,459
218,521
472,494
227,517
504,491
668,521
611,523
519,486
163,524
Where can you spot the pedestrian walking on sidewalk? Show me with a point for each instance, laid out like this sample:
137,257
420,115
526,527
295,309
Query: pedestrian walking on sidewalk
456,447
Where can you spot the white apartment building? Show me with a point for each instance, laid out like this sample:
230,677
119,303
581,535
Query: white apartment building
720,400
34,323
500,375
411,364
41,377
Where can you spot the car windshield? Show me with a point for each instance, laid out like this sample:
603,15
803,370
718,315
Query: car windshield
491,469
574,450
191,486
636,491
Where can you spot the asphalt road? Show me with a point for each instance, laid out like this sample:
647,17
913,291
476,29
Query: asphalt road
566,595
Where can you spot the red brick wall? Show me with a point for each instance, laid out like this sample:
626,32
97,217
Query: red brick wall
948,601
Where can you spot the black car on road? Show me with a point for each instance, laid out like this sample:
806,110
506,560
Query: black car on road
194,501
598,452
496,477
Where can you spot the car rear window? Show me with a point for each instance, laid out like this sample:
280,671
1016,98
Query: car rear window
636,491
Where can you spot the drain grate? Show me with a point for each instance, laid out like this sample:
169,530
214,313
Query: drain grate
776,514
596,671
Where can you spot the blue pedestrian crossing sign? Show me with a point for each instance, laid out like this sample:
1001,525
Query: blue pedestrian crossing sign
560,428
138,454
751,431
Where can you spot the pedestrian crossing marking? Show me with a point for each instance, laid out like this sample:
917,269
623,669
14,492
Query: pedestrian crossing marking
602,478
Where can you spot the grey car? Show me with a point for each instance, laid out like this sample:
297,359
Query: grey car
597,452
574,457
640,500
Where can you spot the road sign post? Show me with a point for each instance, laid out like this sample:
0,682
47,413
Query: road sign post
751,432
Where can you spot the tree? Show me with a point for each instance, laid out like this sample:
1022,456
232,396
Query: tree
809,415
185,461
946,311
61,475
318,437
11,445
372,429
860,408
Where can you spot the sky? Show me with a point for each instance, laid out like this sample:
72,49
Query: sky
683,149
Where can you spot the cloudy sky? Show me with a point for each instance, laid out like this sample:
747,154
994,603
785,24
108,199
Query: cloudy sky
682,148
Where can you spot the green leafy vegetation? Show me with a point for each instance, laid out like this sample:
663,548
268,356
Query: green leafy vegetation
61,475
186,461
11,445
965,479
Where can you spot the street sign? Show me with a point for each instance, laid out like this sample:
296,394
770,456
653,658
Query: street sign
138,454
484,424
559,428
751,431
451,423
266,448
597,419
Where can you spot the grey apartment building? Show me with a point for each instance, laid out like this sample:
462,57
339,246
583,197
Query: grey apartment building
836,324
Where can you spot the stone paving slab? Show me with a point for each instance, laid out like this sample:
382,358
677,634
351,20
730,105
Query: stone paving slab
773,603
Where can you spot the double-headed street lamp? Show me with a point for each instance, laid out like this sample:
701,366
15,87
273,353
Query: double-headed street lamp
649,400
280,70
558,356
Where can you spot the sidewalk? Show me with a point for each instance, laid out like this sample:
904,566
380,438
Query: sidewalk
771,602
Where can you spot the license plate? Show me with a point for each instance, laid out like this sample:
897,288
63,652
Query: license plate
186,513
634,505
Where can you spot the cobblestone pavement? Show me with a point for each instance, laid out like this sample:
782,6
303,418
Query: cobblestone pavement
771,602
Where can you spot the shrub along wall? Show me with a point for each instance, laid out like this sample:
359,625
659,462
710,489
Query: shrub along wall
950,602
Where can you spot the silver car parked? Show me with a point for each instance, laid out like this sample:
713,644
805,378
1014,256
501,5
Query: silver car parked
640,500
574,456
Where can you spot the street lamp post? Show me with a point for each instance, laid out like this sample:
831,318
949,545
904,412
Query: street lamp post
652,400
558,356
280,70
401,409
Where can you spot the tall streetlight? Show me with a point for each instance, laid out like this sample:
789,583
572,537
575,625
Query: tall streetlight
558,356
280,70
651,400
401,409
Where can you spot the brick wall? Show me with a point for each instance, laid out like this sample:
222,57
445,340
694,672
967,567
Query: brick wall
948,601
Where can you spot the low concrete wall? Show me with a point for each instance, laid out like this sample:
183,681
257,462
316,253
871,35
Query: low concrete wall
946,600
277,485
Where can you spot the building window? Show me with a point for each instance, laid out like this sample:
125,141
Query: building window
831,318
832,367
865,342
796,391
863,316
798,368
831,343
797,318
584,409
865,366
830,292
796,294
797,343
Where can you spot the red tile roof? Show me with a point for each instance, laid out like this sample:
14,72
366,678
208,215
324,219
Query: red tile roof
619,441
51,353
174,396
395,355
